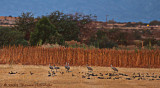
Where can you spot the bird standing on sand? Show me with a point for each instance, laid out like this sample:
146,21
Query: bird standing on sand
50,67
53,73
73,74
89,68
56,67
62,73
115,69
67,67
31,73
49,74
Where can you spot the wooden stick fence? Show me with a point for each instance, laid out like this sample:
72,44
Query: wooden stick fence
79,57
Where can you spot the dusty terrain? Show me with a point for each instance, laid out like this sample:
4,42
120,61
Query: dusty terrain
73,79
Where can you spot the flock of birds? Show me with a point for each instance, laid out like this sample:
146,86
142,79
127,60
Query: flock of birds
88,75
115,75
52,73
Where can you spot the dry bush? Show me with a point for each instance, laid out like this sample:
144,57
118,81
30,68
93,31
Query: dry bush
79,56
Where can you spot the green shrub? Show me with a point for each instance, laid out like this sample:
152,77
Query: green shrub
11,37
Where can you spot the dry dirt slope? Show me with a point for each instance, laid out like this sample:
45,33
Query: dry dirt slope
40,79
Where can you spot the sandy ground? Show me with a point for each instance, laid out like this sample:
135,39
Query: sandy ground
73,79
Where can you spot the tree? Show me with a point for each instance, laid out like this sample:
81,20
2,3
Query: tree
150,42
45,32
25,23
101,40
68,25
139,23
118,36
122,39
65,25
113,34
87,25
158,43
154,22
11,37
136,34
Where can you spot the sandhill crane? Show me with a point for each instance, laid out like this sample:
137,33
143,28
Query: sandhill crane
128,78
139,75
115,69
68,67
154,76
49,74
50,67
65,66
12,72
89,68
31,73
62,73
101,74
56,68
100,77
73,74
53,73
83,76
88,75
147,75
134,73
